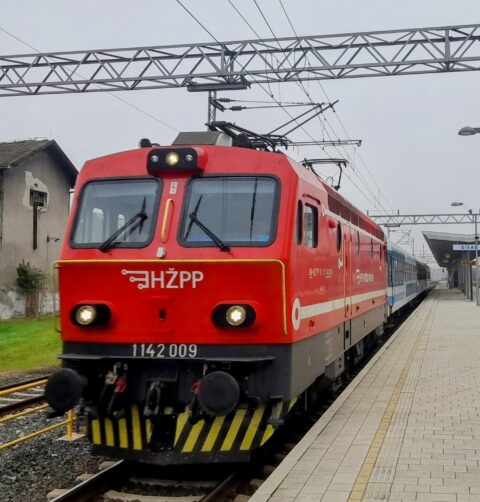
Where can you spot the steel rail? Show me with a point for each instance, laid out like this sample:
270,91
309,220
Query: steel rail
223,489
20,386
23,413
9,408
95,485
216,65
17,388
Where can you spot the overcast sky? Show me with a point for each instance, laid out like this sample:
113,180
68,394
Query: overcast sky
408,124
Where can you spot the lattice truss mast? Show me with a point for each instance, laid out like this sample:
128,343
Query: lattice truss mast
325,57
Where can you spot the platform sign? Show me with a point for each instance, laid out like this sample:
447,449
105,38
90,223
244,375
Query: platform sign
464,247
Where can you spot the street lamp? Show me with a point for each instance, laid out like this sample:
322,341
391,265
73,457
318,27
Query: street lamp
475,217
468,131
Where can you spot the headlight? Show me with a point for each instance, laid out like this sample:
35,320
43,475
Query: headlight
172,159
234,316
90,315
86,315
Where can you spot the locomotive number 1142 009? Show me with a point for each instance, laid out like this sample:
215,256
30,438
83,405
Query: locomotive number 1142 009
161,350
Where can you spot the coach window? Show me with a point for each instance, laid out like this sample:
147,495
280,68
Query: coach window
310,226
339,237
390,271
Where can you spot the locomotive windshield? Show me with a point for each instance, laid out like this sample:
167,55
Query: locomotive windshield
230,210
116,213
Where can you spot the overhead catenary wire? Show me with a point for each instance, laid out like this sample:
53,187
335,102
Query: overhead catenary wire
342,126
270,94
195,18
192,15
358,174
346,153
302,87
337,115
373,198
118,98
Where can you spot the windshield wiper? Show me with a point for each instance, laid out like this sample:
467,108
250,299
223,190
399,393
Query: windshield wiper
135,221
214,237
195,211
252,211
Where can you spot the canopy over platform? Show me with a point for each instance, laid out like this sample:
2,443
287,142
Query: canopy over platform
455,252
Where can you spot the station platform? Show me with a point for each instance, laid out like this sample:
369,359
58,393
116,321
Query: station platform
407,427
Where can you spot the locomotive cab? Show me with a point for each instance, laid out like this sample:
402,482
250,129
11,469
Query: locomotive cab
204,288
171,282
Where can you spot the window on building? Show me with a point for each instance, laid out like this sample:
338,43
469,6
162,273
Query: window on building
38,198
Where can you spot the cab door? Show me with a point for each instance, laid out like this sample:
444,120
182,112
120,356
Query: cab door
347,270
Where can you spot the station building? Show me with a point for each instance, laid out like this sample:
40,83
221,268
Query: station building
35,181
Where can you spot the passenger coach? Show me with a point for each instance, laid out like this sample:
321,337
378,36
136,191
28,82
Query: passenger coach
408,278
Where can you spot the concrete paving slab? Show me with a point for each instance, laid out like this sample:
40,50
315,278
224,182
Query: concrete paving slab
407,427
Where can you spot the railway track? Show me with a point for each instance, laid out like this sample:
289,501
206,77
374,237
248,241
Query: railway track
123,481
18,396
236,485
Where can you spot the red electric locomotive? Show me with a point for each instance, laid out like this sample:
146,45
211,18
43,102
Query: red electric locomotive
205,289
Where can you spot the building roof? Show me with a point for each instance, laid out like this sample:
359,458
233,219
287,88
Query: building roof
13,153
441,244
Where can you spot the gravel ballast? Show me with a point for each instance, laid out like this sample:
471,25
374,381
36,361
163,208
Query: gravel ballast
29,470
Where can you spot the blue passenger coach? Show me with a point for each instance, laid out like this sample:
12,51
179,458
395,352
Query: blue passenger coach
408,278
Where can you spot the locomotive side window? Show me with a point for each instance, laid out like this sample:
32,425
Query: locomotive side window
230,210
339,237
119,213
299,227
358,243
310,226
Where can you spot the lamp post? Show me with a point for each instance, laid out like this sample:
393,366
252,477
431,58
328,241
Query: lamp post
475,220
470,131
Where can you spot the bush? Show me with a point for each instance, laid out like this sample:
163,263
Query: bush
31,282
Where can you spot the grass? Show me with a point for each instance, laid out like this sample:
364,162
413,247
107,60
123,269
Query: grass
28,344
